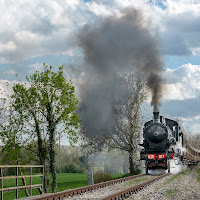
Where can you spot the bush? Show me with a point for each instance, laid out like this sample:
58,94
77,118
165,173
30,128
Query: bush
101,176
137,171
72,168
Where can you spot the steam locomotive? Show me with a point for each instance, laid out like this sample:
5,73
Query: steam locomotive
160,137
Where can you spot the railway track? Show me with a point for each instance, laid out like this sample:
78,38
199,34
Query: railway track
131,190
73,193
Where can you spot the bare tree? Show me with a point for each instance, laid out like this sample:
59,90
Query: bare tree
127,118
192,138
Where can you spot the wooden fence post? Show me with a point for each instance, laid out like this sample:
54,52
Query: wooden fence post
31,181
43,179
17,182
18,176
1,174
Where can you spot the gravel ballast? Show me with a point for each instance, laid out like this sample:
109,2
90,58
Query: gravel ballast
181,186
103,192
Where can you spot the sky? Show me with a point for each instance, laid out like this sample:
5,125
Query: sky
37,32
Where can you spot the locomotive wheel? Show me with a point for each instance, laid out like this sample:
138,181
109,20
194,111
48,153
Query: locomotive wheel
168,166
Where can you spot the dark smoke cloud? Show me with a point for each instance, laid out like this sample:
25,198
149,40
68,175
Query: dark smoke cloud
116,45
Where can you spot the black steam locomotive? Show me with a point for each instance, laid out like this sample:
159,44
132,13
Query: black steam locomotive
160,136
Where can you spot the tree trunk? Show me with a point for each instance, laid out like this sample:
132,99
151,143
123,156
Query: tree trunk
52,160
131,163
51,131
42,154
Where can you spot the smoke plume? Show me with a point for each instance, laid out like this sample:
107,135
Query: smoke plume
118,44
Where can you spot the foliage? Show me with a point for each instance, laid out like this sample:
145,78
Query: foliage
84,161
137,171
72,168
48,101
67,156
101,176
15,149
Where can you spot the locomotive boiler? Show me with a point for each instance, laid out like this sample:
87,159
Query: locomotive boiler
160,135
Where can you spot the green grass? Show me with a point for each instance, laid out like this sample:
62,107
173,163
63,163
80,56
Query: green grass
64,181
68,181
12,183
172,192
176,176
139,180
117,176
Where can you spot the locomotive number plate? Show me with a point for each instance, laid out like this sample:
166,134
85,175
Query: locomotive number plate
161,156
151,156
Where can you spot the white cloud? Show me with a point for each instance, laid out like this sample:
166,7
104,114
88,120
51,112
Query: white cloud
36,28
8,46
182,83
70,52
181,28
36,67
11,71
99,9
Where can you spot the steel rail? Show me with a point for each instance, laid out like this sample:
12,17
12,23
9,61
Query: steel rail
76,191
129,191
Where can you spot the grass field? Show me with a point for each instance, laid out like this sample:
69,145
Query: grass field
64,181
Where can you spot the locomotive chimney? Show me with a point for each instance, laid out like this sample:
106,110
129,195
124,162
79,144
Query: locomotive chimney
156,116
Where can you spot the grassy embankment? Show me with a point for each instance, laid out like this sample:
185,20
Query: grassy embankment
171,192
64,181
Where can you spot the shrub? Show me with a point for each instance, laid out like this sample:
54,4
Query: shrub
101,176
72,168
137,171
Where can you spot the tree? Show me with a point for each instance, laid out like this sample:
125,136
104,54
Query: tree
192,138
127,118
11,128
49,102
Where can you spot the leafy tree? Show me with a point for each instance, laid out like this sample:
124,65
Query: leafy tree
12,139
49,102
11,130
